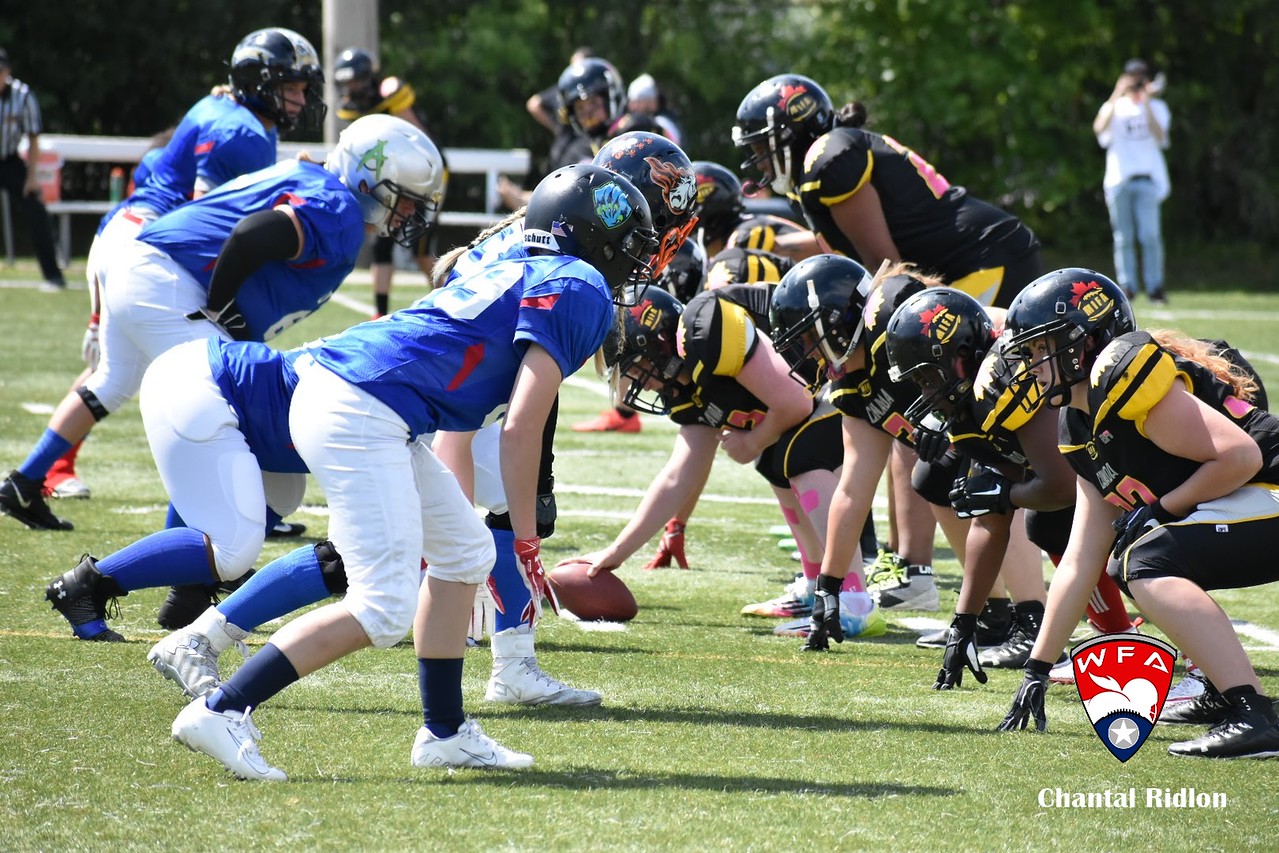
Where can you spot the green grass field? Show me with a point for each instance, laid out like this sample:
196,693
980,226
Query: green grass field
714,734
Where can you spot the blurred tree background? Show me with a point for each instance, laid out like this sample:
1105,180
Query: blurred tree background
998,94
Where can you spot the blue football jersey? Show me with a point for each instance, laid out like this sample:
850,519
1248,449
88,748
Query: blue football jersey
504,245
218,139
258,382
279,293
448,362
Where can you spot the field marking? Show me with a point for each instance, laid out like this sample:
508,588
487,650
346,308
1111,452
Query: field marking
1266,636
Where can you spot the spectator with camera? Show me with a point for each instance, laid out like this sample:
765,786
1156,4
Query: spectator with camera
1132,126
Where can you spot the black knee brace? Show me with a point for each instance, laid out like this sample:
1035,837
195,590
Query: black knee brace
92,403
331,567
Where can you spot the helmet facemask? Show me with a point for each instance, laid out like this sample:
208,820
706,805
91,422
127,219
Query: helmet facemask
771,145
647,385
1067,357
825,337
404,230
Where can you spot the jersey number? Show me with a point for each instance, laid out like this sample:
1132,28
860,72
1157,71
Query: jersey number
468,298
1128,492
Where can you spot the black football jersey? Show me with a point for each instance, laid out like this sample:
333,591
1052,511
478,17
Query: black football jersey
718,333
936,225
868,394
1107,447
1004,398
761,232
740,265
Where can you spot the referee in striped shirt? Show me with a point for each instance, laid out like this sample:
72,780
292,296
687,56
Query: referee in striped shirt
20,114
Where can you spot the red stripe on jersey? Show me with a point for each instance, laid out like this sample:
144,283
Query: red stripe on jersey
309,265
470,359
290,198
204,147
546,302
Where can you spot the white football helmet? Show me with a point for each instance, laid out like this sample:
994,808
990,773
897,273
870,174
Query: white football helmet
383,159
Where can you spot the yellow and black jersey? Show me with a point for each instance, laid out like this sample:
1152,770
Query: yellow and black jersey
739,265
1004,398
394,96
869,394
1108,446
719,331
761,232
934,224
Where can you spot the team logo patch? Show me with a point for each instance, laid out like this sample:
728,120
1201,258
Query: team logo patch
374,159
611,205
679,186
797,102
1089,297
1123,680
939,323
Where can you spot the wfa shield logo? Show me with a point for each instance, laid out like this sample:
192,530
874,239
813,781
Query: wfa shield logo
1123,680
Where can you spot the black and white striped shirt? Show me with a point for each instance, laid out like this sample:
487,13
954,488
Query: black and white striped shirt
19,115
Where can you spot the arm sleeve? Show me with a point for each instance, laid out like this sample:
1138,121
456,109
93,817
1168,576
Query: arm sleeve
268,235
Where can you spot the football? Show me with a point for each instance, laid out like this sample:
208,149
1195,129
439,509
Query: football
604,597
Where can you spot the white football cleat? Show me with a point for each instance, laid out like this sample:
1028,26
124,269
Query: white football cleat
518,680
470,747
189,657
230,737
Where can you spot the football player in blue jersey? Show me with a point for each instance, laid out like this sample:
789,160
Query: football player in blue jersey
244,262
352,409
1175,469
275,84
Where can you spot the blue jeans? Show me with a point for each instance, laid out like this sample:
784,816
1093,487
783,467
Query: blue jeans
1134,220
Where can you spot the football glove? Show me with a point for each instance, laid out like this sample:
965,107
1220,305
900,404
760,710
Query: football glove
528,553
824,625
982,492
1135,523
229,320
1028,703
91,347
961,651
931,440
672,547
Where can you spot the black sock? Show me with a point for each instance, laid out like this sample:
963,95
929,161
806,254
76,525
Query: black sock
625,413
382,301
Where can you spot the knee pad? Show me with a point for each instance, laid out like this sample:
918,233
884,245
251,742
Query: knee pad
934,480
498,521
92,403
1050,531
332,570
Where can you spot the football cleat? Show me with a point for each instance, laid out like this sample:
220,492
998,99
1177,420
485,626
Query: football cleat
286,530
1249,730
1062,673
795,601
21,497
189,657
610,421
518,680
994,625
915,590
229,737
470,747
81,596
185,603
887,569
68,488
1209,708
1192,685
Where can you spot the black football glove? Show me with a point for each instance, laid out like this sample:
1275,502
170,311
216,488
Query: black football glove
1135,523
229,320
961,651
982,492
824,624
931,439
1028,703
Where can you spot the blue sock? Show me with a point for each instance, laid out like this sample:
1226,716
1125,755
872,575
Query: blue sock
172,519
439,680
277,589
257,680
272,519
48,450
175,556
510,585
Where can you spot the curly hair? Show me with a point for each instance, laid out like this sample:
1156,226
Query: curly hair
1208,354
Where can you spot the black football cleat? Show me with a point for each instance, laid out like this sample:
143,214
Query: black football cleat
20,497
1250,730
286,530
81,596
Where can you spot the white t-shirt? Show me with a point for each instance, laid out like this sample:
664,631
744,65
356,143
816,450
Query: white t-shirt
1131,148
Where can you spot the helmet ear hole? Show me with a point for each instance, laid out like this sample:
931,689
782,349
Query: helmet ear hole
608,252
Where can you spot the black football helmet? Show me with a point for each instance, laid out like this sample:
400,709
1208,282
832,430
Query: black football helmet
585,79
719,200
817,314
356,76
599,216
778,120
937,339
641,353
1078,311
685,274
663,173
266,58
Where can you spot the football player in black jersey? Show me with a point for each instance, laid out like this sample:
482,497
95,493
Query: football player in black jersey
973,403
1176,497
713,370
873,199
